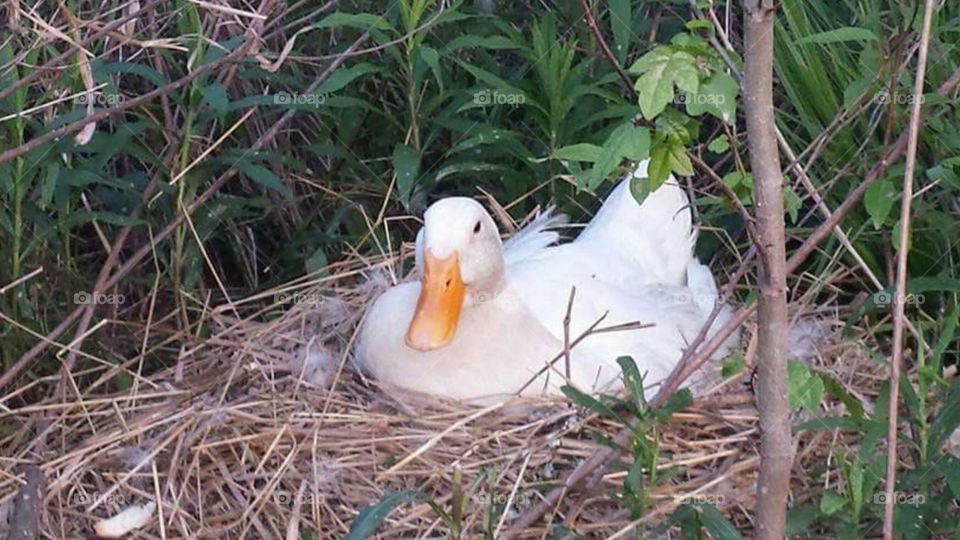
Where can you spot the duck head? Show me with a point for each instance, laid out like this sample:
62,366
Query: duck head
459,259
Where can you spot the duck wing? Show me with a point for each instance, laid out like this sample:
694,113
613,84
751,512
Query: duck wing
534,237
643,243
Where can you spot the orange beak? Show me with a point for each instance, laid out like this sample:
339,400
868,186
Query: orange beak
438,309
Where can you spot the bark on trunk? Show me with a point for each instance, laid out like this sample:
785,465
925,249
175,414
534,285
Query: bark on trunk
776,446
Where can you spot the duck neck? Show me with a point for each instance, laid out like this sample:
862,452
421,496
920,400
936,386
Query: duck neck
488,288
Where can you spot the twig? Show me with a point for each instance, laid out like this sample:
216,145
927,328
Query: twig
607,53
902,249
566,331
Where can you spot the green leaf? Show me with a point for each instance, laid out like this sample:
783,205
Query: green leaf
49,185
363,21
879,200
316,262
716,524
838,35
633,379
659,168
639,188
406,165
431,57
627,141
719,145
732,365
804,388
792,203
588,402
369,519
680,400
579,152
831,502
661,69
947,420
716,96
265,178
344,76
620,26
216,96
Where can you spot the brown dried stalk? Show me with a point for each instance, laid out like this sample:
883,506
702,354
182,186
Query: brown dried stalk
901,288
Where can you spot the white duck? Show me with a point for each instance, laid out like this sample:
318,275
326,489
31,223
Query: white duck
487,316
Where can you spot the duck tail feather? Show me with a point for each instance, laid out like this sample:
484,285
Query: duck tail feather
534,236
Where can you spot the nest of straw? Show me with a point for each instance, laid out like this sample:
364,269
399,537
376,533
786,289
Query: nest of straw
261,428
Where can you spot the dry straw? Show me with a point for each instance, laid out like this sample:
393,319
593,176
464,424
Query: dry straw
262,428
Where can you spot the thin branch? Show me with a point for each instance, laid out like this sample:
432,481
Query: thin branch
607,53
902,249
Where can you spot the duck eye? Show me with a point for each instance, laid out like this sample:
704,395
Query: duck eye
476,228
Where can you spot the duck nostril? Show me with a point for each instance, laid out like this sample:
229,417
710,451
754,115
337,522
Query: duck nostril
447,284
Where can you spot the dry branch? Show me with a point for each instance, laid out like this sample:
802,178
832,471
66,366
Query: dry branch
901,288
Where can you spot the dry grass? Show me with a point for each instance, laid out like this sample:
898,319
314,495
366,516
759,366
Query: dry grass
243,437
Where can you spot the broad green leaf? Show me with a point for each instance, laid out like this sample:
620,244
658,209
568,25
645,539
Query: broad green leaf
660,70
838,35
627,141
371,517
659,168
579,152
879,200
805,389
640,188
406,165
831,502
716,96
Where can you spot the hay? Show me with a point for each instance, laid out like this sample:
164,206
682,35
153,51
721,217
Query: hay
263,429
